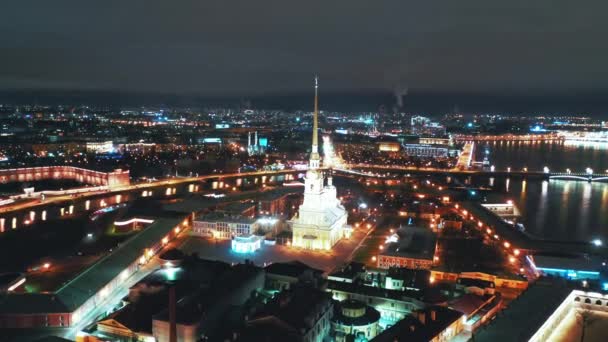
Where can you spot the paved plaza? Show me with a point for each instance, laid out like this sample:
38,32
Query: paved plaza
340,254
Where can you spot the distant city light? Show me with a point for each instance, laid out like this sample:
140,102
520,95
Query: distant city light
267,220
597,242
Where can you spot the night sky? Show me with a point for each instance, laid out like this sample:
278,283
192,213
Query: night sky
226,48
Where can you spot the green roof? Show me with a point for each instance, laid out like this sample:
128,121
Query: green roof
78,290
525,315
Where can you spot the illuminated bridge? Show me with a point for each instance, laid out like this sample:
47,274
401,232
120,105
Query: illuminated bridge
64,204
371,170
509,137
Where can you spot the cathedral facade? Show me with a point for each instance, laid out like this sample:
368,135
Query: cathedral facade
321,220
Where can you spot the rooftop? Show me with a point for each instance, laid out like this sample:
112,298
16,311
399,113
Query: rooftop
418,279
405,295
411,328
528,312
350,271
369,315
213,300
80,288
217,216
293,269
412,242
575,263
297,307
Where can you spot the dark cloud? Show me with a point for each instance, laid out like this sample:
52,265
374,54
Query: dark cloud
259,47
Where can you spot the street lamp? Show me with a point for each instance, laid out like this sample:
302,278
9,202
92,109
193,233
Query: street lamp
545,169
568,171
597,242
589,171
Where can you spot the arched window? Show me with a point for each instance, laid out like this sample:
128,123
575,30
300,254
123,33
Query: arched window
577,299
587,301
598,302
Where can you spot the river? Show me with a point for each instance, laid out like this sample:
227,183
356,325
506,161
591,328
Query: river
555,209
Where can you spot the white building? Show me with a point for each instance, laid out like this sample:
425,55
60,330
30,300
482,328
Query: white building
100,146
321,221
221,226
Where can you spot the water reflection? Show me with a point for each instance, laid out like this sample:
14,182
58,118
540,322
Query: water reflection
541,212
556,209
557,156
561,210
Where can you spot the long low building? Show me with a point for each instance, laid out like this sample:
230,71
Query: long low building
221,225
115,178
69,304
410,247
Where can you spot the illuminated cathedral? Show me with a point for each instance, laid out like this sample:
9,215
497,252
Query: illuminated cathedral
321,220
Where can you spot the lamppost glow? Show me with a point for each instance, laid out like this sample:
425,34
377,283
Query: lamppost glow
545,169
597,242
589,171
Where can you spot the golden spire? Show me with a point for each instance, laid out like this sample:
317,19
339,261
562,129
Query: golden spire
315,159
315,125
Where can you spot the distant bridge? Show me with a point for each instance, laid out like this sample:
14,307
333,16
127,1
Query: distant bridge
360,169
509,137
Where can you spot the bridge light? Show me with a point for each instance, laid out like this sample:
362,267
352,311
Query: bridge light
525,169
492,168
568,171
589,171
597,242
545,169
509,169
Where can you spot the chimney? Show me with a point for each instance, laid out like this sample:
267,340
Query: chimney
433,315
172,318
422,317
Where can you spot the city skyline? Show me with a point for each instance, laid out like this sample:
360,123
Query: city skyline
342,171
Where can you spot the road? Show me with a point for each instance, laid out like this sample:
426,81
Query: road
33,203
